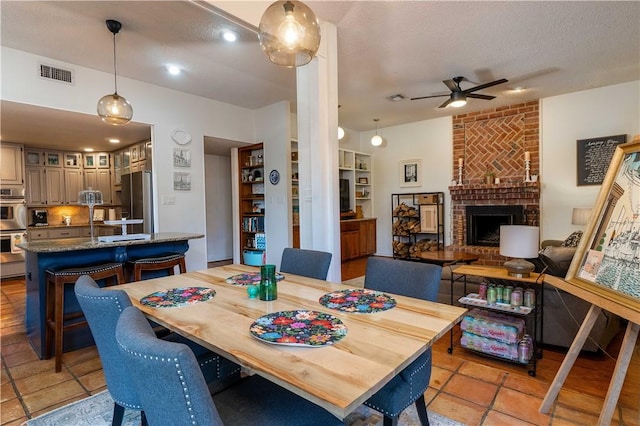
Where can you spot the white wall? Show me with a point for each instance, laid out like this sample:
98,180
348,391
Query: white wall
217,172
605,111
165,109
430,141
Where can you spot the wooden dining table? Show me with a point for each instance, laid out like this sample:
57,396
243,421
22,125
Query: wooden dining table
338,377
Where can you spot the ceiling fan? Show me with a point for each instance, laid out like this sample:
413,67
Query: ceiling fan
458,97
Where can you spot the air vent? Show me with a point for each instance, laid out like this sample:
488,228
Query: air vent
57,74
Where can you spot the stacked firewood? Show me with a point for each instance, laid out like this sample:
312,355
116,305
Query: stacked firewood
404,210
423,245
405,227
401,249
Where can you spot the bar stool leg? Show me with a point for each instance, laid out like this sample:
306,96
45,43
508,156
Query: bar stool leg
59,319
48,318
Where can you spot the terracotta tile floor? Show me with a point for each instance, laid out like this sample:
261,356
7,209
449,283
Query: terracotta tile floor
467,387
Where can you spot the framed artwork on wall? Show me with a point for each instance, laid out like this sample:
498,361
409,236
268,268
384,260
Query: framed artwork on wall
181,157
593,157
411,173
606,262
181,181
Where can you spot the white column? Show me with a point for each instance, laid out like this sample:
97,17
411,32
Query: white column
317,103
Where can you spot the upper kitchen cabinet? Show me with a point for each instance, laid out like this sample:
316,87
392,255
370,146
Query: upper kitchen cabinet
72,160
99,179
96,160
12,170
52,178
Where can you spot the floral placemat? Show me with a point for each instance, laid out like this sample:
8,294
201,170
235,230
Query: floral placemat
249,278
299,328
360,300
176,297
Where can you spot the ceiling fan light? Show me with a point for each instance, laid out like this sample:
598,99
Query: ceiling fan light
459,99
289,33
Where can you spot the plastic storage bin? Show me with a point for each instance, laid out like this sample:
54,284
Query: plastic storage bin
252,257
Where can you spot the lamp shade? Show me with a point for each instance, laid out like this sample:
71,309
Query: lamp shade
114,109
519,241
580,215
289,33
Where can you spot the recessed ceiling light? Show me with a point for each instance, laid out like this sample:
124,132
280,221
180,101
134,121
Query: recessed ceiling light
230,36
174,69
88,150
114,140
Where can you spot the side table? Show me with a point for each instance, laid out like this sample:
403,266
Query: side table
499,275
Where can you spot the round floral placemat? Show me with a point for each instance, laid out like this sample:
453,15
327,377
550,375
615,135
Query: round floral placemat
176,297
250,278
359,300
299,328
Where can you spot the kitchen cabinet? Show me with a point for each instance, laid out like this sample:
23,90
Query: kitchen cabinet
37,234
53,159
95,160
72,160
99,179
54,185
35,186
12,166
73,184
66,232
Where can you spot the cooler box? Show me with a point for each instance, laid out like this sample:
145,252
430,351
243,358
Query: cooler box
252,257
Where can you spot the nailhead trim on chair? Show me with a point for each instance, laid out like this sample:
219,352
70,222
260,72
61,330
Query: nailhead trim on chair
410,384
151,260
85,270
178,370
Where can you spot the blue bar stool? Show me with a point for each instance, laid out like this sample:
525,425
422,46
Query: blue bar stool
56,321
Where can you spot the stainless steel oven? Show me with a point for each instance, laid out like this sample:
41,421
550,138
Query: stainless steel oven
13,228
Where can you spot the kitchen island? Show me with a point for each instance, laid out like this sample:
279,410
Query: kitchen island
79,252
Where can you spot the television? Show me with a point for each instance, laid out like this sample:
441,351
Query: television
345,199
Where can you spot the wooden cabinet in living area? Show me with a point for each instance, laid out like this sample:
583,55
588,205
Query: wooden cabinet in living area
357,238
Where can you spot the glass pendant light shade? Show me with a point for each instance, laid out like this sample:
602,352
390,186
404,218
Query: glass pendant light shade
377,139
289,33
114,109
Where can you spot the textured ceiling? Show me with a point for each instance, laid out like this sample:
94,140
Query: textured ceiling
384,48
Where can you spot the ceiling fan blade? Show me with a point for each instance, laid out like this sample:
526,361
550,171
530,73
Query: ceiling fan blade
452,85
484,86
445,103
479,96
432,96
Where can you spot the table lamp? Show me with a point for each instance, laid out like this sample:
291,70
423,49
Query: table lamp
90,197
520,242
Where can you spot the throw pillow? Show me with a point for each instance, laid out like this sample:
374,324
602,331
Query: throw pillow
572,240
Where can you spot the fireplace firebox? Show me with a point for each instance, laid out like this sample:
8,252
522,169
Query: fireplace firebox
483,223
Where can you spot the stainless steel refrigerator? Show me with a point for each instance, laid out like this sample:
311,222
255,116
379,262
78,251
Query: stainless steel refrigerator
137,201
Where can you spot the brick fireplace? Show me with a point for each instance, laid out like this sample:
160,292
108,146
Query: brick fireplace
494,141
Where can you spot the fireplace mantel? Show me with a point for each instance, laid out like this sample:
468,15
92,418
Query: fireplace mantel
501,191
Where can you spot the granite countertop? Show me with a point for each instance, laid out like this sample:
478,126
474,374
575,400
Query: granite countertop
71,244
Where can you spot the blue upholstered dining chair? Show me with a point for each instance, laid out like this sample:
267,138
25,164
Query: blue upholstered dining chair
102,308
308,263
173,391
412,279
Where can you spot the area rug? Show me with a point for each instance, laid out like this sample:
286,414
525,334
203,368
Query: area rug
97,410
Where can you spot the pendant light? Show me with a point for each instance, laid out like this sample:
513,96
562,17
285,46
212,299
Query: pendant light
114,109
340,133
377,139
289,33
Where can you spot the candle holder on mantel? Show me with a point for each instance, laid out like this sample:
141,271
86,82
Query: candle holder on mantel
527,170
460,174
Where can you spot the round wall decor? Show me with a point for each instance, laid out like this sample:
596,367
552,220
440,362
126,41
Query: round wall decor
274,177
180,136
